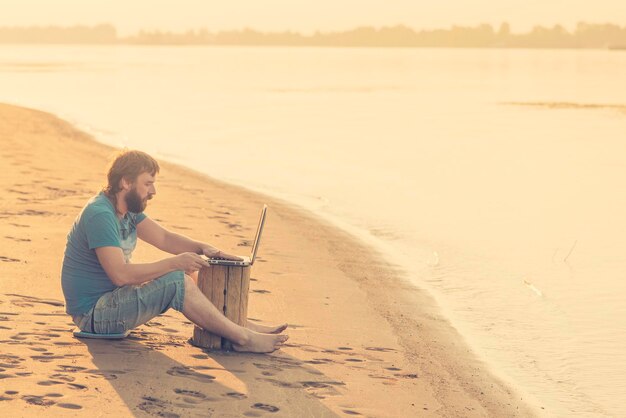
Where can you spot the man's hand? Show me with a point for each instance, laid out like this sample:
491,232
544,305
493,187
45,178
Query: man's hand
189,262
215,253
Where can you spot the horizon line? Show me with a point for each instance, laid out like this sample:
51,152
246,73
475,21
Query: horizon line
320,31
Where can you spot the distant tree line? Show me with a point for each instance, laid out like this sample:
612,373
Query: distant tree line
482,36
100,34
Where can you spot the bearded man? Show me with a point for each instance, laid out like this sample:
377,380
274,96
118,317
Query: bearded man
105,293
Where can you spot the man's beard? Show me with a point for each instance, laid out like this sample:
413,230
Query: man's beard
134,203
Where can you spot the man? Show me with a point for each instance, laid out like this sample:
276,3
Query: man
106,293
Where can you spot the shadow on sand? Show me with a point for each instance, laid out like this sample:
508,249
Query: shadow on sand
220,383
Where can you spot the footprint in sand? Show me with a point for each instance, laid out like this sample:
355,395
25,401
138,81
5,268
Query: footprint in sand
69,406
183,371
321,385
154,406
270,367
38,400
106,374
387,379
19,225
17,239
63,377
283,384
49,383
191,393
58,329
65,343
31,212
350,412
200,356
380,349
9,360
265,407
236,395
70,369
407,375
33,299
184,228
18,191
308,384
57,193
9,259
48,358
315,372
169,330
286,362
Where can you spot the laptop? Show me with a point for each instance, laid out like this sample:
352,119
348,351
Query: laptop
247,261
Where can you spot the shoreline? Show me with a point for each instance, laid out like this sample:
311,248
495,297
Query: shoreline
371,350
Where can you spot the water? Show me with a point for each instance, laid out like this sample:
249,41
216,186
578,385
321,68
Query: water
512,216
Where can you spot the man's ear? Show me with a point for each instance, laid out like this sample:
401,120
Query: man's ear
125,183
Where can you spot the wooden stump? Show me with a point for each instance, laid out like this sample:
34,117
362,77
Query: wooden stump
227,287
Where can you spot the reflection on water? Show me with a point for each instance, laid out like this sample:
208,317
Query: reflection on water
565,105
495,176
33,66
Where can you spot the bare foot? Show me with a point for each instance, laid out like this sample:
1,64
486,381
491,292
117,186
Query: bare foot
261,343
277,329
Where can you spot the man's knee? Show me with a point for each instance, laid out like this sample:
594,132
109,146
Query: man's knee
190,283
173,286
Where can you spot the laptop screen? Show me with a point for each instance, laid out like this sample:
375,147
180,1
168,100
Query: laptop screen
257,238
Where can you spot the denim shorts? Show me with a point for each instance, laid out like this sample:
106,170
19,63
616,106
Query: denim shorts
128,307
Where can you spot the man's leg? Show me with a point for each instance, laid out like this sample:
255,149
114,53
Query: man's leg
264,329
275,329
199,310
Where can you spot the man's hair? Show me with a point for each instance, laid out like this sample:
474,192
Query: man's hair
128,164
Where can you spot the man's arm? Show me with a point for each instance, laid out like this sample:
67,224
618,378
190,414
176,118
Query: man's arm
173,243
122,274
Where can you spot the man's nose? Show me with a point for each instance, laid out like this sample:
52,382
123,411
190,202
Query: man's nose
152,190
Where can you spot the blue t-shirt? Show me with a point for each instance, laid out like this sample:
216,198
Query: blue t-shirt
83,279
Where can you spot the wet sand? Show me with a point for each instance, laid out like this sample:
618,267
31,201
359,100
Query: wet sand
363,341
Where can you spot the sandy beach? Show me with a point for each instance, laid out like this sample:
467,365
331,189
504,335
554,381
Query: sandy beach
363,341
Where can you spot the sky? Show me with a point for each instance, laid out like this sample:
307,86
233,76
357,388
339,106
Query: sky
306,16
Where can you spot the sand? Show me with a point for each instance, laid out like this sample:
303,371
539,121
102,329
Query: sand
363,341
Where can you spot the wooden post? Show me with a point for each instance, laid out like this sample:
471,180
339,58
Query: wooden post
227,288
